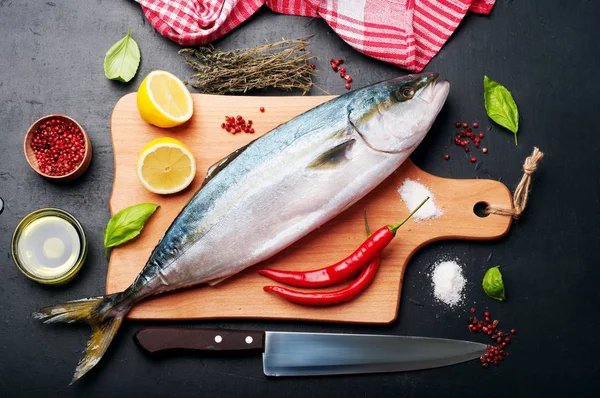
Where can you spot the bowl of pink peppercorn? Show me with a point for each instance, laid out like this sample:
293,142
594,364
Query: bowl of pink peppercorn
57,148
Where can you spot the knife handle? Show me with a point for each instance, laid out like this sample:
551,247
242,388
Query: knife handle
156,339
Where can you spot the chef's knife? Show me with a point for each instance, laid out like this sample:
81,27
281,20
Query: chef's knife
304,354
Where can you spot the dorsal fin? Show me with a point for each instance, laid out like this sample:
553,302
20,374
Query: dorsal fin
214,169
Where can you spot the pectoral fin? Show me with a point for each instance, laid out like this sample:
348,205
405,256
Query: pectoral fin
334,156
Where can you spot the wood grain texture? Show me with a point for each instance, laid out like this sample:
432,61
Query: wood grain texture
241,296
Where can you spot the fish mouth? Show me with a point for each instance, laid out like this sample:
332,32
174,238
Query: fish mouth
434,87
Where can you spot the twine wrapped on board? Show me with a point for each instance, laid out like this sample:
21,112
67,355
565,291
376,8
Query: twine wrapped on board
522,191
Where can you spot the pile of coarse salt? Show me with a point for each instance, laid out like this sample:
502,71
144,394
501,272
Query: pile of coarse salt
412,194
448,282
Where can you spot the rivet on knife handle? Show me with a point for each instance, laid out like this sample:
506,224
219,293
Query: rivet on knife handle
157,339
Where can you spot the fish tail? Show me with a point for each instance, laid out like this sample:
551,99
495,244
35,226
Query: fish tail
101,313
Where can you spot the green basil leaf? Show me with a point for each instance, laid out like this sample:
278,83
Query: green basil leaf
493,284
122,59
500,105
127,224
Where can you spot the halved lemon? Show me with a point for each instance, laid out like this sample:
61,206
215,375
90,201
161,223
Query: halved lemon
163,100
165,165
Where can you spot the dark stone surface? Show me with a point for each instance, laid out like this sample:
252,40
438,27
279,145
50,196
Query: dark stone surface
546,53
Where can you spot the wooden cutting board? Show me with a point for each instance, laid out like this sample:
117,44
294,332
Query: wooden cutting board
242,296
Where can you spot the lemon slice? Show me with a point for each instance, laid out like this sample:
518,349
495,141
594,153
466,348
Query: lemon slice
166,166
163,100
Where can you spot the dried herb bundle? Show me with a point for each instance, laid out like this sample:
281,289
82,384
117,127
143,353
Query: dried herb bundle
283,65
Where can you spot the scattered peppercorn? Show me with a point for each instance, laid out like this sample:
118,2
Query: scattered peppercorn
262,109
59,147
335,65
513,331
312,66
495,353
446,156
237,124
467,132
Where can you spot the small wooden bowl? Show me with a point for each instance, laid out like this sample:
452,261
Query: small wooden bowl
30,155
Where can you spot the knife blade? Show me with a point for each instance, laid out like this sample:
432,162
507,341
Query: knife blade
309,354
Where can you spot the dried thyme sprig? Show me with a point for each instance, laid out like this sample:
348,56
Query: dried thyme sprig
282,65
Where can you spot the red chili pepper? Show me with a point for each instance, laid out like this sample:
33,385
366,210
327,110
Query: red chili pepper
330,298
336,297
345,268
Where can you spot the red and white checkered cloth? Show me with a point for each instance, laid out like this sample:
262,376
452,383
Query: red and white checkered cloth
407,33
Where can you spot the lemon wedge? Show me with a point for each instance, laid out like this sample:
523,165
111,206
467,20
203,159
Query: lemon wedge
163,100
165,165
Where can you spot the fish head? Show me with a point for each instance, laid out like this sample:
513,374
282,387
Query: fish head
394,115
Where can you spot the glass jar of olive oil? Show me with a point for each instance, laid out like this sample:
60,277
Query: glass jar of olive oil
49,246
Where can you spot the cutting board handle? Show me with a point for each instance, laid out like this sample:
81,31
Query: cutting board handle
154,340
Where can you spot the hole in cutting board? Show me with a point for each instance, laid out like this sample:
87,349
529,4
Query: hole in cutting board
479,209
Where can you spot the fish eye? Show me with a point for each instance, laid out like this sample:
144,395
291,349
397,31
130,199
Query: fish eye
407,92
